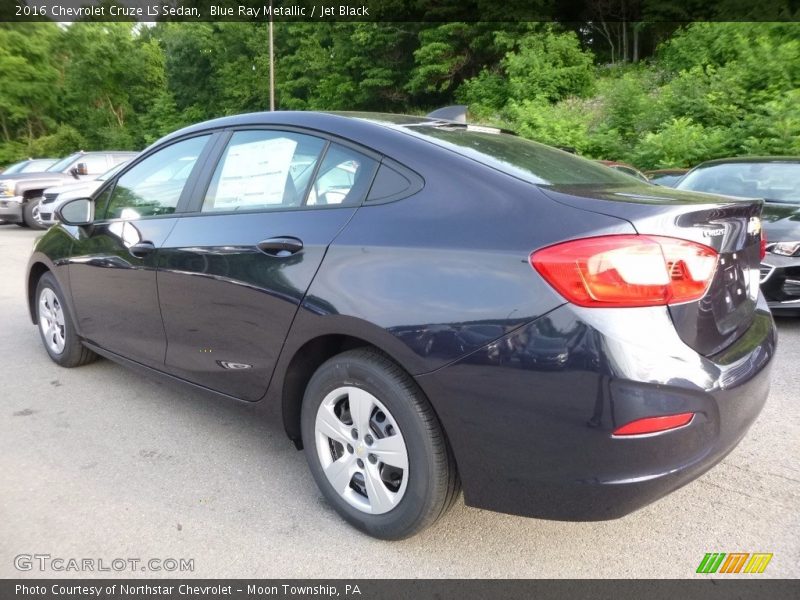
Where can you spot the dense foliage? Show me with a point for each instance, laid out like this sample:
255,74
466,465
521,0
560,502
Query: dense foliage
673,97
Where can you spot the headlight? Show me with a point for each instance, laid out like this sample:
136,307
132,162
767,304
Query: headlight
786,248
7,187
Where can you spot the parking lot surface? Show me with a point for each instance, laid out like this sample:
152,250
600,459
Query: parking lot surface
102,463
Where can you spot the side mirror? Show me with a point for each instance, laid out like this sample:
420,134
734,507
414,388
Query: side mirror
76,212
79,169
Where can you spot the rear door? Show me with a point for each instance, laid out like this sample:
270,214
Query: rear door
234,270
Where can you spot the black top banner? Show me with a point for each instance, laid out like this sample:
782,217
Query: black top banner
400,10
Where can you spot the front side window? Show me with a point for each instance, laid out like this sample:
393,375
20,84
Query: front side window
263,170
154,186
95,163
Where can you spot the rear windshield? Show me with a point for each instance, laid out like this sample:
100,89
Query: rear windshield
527,160
776,181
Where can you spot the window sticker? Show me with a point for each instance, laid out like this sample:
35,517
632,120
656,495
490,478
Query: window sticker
255,173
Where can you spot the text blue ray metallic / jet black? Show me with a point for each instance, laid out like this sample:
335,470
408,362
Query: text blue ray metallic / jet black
417,281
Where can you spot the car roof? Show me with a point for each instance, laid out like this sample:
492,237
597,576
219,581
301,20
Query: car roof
333,122
385,133
312,119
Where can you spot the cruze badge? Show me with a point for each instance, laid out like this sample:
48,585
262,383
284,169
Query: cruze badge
754,226
713,232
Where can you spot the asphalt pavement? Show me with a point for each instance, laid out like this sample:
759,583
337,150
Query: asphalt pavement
102,463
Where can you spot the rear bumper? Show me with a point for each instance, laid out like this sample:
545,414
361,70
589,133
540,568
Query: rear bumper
780,282
11,209
534,438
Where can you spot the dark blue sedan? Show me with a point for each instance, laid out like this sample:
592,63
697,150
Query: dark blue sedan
426,305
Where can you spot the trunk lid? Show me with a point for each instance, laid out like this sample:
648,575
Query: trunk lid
731,227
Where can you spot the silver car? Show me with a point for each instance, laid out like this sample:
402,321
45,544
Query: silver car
55,196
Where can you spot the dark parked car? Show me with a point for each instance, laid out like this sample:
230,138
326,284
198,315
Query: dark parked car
666,177
776,179
21,193
396,287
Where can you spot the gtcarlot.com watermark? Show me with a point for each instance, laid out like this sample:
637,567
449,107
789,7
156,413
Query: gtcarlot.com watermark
47,562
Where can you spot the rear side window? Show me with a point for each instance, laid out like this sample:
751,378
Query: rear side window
391,184
343,178
263,170
521,158
154,186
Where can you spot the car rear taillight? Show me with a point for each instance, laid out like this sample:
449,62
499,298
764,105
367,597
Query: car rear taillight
654,424
763,244
627,270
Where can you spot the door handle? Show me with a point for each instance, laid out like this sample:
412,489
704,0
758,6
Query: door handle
142,249
280,246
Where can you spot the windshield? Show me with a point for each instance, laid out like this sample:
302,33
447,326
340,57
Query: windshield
776,181
64,163
15,168
37,166
527,160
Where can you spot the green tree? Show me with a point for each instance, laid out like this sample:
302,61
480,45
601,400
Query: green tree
28,82
109,74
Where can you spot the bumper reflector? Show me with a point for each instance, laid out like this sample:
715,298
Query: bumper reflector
654,424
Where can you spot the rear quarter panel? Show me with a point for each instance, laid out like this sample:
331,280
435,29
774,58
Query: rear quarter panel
441,273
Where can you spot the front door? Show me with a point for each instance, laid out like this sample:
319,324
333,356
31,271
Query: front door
233,272
112,270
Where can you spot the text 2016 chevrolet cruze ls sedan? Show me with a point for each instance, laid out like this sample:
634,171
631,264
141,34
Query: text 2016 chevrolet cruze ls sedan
429,305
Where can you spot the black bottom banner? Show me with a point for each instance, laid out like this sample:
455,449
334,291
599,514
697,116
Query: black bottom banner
367,589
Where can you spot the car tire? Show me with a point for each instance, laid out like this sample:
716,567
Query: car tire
30,212
56,327
364,474
22,224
